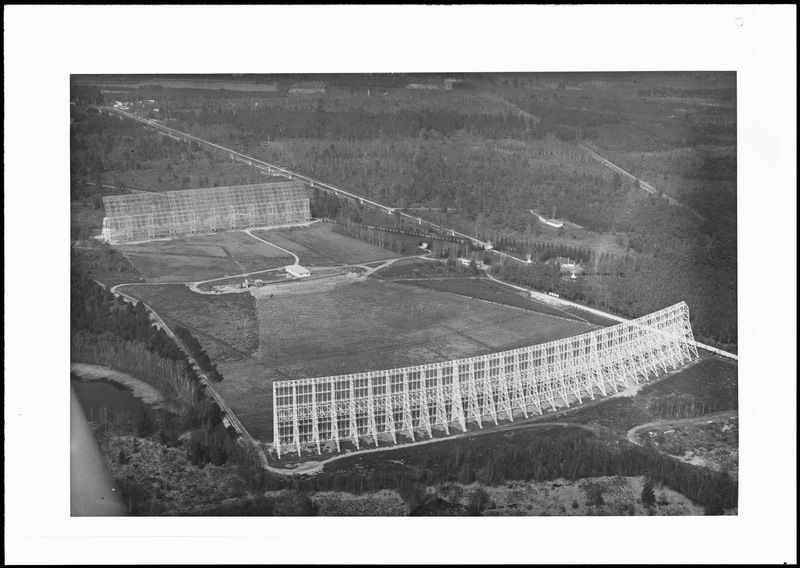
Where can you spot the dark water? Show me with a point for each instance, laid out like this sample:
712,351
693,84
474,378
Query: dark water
105,401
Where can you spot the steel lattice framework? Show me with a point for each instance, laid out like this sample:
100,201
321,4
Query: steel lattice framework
413,401
145,216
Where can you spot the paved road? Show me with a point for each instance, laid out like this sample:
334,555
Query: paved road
296,258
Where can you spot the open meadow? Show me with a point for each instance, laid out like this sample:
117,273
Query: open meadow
489,291
357,325
318,245
203,257
195,258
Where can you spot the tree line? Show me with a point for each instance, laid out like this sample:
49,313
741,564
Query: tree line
199,354
95,310
273,123
561,454
686,259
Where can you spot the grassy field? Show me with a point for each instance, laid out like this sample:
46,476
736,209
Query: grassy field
489,291
376,325
591,317
226,325
195,258
372,325
367,325
434,276
413,268
318,245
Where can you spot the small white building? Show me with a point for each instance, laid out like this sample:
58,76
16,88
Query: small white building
298,271
465,261
555,223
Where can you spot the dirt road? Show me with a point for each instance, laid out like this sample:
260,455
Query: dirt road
632,434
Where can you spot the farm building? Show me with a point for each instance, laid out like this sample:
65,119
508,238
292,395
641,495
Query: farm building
298,271
555,223
564,263
567,265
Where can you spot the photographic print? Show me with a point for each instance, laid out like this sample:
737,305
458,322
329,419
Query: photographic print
357,284
433,294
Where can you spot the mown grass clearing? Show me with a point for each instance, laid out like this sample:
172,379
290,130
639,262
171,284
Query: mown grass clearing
367,325
227,323
319,245
373,325
413,268
491,292
195,258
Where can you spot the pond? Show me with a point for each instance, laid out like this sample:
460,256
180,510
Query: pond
103,400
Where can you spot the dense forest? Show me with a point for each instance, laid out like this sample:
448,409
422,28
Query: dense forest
106,330
271,123
199,354
95,310
560,454
487,170
673,254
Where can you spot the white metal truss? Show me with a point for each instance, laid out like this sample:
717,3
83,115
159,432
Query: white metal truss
143,216
414,401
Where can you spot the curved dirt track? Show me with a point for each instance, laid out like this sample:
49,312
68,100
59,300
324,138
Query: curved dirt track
632,434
